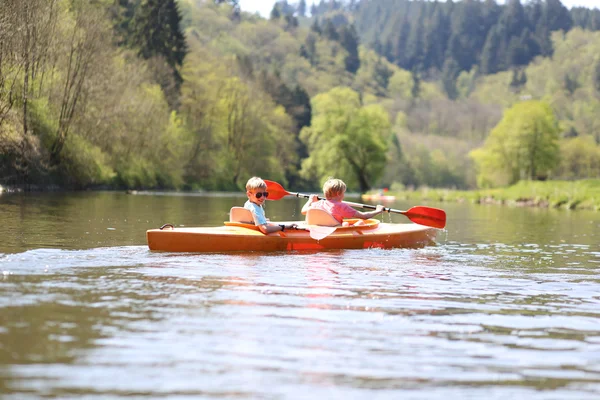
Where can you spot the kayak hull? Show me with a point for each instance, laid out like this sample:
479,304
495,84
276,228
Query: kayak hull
244,237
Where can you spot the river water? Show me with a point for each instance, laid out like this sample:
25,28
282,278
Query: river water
506,305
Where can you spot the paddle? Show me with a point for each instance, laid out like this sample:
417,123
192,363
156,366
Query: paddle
421,215
319,232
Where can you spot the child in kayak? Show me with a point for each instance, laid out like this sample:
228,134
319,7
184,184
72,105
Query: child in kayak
334,191
256,190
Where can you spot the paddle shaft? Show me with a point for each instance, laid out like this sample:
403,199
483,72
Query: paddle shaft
306,196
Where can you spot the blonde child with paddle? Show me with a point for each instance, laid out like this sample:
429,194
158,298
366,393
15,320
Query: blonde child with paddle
256,190
334,191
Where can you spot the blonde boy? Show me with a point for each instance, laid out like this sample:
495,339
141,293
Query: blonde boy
256,190
334,191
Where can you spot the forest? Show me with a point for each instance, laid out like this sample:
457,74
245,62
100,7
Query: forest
201,95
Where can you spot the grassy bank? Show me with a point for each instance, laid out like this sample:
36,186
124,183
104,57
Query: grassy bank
582,194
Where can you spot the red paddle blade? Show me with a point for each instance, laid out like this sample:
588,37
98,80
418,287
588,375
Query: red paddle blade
427,216
276,191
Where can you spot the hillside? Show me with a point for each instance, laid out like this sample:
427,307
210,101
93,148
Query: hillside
210,95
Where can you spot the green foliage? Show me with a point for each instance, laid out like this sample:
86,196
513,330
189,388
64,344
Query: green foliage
85,165
524,145
245,83
580,158
345,139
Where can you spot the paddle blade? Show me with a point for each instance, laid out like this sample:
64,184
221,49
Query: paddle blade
320,232
428,216
276,191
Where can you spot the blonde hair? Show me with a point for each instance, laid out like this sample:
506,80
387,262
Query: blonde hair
333,188
255,183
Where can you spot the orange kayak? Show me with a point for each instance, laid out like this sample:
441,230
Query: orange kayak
234,236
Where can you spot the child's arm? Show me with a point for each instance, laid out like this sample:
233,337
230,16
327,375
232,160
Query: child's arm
312,199
369,214
271,227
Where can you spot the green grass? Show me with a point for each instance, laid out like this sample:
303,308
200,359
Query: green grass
582,194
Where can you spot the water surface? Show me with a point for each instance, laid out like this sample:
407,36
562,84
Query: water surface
506,305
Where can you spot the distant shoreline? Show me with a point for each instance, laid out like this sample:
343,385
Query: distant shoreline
568,195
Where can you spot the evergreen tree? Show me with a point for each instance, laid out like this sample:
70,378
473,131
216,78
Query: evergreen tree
556,16
275,13
310,48
543,40
414,44
596,76
122,15
302,8
518,51
523,78
156,32
382,74
399,47
388,50
450,72
534,12
514,18
291,22
301,111
492,54
515,81
415,90
436,34
490,14
466,40
285,8
570,83
349,40
315,26
330,32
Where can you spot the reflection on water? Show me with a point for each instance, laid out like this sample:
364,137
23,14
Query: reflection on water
505,306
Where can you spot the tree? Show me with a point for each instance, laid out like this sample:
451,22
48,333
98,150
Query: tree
556,16
83,49
382,74
414,44
524,145
235,7
302,8
275,13
345,139
434,47
450,72
415,90
349,40
156,32
596,76
330,32
580,158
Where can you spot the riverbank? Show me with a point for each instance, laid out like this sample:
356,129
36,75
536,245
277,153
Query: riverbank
582,194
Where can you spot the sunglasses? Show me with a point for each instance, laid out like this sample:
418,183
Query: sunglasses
261,194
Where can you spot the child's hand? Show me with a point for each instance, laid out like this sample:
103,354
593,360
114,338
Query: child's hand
380,208
313,198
